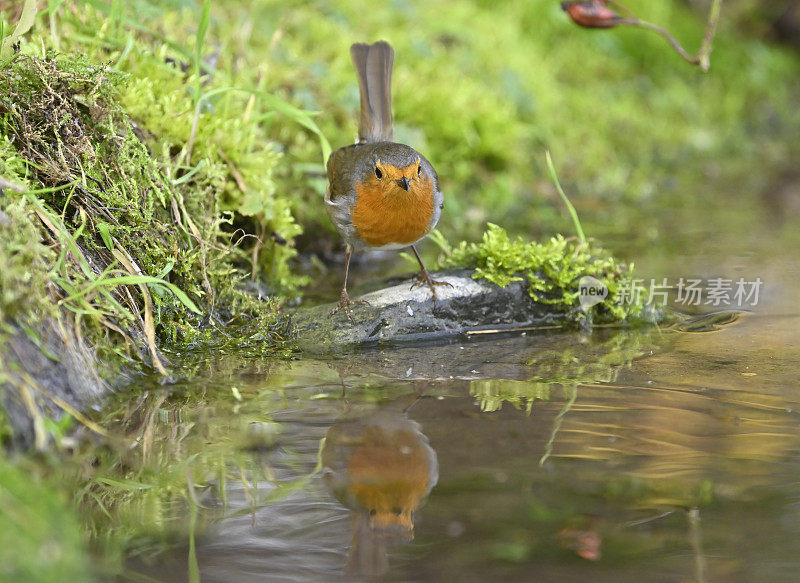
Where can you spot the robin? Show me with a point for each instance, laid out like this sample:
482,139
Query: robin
381,194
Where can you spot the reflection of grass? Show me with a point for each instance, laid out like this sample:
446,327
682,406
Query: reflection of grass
177,457
576,364
160,476
493,393
572,392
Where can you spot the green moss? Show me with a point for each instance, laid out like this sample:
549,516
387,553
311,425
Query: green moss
24,264
172,169
210,132
25,260
118,203
551,271
231,158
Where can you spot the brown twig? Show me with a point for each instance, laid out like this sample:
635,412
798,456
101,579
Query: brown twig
665,33
597,14
703,53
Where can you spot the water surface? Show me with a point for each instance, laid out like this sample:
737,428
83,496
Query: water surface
616,455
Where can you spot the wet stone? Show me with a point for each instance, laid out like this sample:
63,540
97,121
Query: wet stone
400,313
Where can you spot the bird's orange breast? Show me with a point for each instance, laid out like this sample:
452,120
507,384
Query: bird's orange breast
386,214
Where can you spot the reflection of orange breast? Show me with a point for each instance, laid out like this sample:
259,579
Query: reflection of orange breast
385,214
389,474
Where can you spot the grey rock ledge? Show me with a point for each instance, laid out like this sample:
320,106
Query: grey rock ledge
400,314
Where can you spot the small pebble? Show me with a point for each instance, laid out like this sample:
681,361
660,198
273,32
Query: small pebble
455,529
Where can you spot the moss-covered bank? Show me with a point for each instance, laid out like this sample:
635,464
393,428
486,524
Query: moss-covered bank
104,246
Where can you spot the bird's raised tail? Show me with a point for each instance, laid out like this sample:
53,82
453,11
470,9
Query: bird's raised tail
374,68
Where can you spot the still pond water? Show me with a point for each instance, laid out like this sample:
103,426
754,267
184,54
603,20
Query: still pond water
660,455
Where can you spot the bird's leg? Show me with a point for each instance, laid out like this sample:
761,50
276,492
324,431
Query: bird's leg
425,278
345,302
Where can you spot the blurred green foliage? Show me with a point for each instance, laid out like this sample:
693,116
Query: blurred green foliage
482,88
40,537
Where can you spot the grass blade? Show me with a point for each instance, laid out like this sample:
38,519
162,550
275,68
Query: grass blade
285,108
136,280
199,41
26,20
570,208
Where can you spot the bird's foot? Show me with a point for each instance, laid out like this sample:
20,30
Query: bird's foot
424,278
344,304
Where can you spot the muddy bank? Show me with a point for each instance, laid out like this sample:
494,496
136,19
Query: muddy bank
57,373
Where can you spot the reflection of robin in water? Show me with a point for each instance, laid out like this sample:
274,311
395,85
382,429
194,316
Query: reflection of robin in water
382,468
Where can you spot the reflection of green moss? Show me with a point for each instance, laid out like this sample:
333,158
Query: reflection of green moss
596,360
551,270
492,393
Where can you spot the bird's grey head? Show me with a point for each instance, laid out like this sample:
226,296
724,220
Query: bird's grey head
400,163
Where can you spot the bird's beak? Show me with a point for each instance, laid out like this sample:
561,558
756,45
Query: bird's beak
404,183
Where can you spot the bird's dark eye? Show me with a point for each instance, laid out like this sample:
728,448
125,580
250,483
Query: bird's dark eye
419,170
372,512
397,511
378,172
